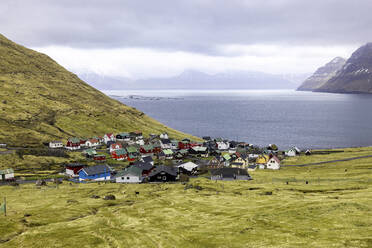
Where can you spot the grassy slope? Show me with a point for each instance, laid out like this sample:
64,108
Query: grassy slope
42,101
333,210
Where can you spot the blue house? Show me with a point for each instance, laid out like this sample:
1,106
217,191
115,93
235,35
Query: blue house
100,172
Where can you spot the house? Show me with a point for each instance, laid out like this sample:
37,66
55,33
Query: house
108,137
73,144
147,149
55,144
262,159
164,136
3,145
291,152
184,144
137,135
7,175
252,167
308,152
174,144
206,138
240,162
115,146
99,158
180,154
226,159
273,163
214,163
145,167
140,142
162,173
222,144
147,159
92,142
129,175
89,153
123,137
95,173
73,169
166,154
199,151
165,144
133,153
120,154
230,174
188,168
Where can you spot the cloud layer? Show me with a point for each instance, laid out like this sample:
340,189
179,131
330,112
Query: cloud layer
212,28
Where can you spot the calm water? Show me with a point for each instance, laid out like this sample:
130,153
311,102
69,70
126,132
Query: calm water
286,118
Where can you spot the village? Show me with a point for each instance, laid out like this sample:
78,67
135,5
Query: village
159,158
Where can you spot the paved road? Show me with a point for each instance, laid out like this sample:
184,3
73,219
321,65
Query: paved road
331,161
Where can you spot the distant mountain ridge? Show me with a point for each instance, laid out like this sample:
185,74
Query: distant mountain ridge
193,79
355,76
322,75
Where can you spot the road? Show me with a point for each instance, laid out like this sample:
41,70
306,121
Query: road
331,161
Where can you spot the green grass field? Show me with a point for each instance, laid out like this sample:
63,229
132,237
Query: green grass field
333,210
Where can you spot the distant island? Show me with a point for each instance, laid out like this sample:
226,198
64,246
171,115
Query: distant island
340,76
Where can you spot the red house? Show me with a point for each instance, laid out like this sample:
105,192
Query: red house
72,170
99,158
73,144
146,149
120,154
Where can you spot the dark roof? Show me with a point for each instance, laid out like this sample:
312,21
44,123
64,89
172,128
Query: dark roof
147,159
142,165
165,141
229,172
162,168
97,169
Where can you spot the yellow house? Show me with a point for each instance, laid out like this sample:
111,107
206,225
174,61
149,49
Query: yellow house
262,159
239,163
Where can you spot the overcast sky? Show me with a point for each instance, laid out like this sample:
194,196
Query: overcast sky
144,38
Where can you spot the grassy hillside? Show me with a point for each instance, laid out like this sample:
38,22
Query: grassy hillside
332,210
42,101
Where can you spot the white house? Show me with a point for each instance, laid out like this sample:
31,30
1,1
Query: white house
223,145
108,137
164,136
130,175
115,147
140,142
273,163
7,174
55,144
92,143
189,167
291,152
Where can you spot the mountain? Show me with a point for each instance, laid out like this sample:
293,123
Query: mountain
322,75
193,79
355,76
41,101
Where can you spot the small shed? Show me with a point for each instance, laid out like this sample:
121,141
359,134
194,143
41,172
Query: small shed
7,175
55,144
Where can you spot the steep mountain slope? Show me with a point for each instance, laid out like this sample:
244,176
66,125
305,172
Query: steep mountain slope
42,101
192,79
322,75
355,76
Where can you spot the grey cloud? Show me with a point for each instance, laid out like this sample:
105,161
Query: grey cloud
190,25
